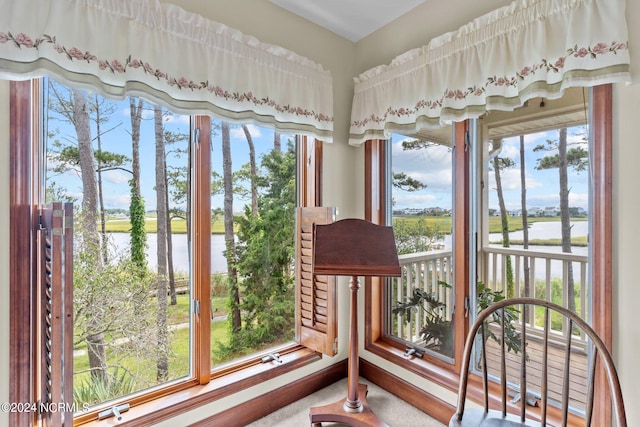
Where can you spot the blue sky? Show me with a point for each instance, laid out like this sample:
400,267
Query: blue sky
432,166
115,182
542,185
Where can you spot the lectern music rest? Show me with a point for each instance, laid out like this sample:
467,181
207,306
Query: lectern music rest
353,247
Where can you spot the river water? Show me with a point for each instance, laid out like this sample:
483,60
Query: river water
549,230
543,231
120,241
537,230
546,230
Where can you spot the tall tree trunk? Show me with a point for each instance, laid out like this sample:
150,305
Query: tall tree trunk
232,272
254,172
96,349
277,145
505,227
103,221
525,218
161,195
136,207
172,277
136,118
565,218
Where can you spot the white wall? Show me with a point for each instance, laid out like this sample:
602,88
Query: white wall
626,227
626,237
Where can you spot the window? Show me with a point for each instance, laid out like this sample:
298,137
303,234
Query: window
131,267
421,187
131,296
377,337
535,211
253,197
536,197
468,195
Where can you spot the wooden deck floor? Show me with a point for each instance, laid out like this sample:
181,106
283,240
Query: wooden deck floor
578,370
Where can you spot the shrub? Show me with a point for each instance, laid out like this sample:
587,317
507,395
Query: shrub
95,389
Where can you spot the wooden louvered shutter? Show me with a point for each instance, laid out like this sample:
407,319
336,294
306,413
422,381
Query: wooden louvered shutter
55,297
316,318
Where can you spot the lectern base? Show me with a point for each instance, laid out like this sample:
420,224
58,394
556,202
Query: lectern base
336,413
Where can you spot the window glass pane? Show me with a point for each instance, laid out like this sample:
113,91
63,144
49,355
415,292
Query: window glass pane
253,199
420,302
537,199
535,219
124,165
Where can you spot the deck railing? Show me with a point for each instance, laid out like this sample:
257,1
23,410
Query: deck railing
426,271
548,272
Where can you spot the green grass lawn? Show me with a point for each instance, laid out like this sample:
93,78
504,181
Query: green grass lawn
143,367
575,241
443,223
178,226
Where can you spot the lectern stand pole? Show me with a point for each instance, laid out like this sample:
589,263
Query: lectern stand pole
353,247
353,411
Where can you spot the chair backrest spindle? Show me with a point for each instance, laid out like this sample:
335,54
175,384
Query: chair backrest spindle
485,374
545,367
503,367
523,365
565,375
591,389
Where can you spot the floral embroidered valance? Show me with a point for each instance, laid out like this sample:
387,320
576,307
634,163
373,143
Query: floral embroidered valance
167,55
530,48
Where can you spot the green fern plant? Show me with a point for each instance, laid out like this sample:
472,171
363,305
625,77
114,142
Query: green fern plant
437,332
512,337
94,390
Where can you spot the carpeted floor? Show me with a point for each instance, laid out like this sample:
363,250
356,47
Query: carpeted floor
392,410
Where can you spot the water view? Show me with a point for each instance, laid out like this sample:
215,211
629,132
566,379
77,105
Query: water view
541,231
537,230
121,242
546,231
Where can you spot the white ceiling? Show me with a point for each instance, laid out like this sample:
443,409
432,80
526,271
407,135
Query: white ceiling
351,19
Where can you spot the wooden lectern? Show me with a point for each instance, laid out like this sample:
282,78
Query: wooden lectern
353,247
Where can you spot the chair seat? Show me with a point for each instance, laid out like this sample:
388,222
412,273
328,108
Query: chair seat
477,417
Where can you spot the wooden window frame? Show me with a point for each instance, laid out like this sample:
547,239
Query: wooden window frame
376,342
600,123
205,385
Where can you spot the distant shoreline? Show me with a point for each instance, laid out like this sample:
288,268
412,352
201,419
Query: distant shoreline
575,241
